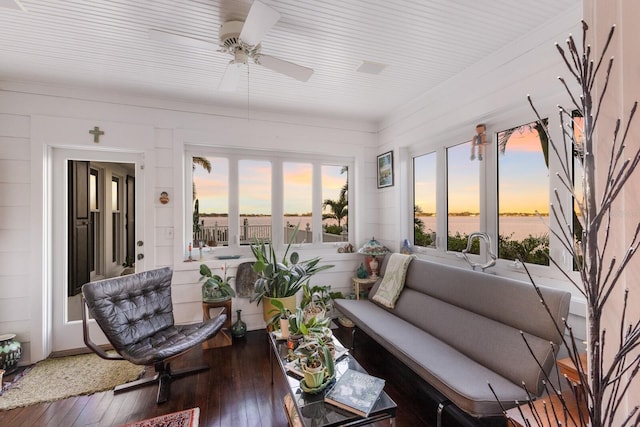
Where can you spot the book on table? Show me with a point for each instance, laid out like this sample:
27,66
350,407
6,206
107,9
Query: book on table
356,392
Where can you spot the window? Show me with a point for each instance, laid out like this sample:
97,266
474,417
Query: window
116,224
424,200
210,201
96,223
239,196
254,200
463,196
297,197
523,194
335,205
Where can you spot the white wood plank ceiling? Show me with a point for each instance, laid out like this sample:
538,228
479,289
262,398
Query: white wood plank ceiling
105,44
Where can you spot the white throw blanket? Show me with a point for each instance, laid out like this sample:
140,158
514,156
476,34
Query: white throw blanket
393,280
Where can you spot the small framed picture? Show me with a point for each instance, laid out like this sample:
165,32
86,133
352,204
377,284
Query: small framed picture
385,170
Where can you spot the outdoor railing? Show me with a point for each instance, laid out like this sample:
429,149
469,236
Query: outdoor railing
218,235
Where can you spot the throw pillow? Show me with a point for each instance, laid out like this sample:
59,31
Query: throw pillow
393,280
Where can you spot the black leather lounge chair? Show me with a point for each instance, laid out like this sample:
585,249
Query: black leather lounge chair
135,312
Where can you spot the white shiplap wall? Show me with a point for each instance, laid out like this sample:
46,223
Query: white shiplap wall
15,234
25,284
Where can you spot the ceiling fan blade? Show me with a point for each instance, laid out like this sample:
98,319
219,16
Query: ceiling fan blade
165,36
259,20
231,77
290,69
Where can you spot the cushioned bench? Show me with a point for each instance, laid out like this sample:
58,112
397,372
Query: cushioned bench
461,329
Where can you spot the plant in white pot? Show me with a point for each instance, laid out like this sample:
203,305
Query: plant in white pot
280,278
317,301
316,363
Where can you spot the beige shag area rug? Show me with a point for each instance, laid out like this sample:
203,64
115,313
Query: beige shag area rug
62,377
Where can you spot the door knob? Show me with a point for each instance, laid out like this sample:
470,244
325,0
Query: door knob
140,243
140,256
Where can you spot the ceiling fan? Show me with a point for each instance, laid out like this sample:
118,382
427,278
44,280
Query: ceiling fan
242,41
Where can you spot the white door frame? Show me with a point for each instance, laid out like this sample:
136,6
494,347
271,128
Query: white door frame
48,132
67,335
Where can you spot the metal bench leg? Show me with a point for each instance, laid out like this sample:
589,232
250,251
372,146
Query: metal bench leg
441,407
353,338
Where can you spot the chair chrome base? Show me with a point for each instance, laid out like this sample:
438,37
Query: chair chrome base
164,376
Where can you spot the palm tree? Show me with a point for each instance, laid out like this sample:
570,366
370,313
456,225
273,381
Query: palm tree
202,162
345,187
339,208
206,165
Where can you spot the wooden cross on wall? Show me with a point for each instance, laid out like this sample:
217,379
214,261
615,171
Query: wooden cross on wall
96,132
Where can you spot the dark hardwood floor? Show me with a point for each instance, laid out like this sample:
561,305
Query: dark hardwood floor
236,391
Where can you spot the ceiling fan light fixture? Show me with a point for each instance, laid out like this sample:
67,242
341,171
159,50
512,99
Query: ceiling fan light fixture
240,56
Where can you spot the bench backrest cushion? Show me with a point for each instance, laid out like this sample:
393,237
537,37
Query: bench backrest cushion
482,315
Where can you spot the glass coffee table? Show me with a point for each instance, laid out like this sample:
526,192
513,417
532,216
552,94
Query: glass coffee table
311,408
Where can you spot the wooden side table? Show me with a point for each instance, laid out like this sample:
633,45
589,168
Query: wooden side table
515,419
367,283
567,368
223,337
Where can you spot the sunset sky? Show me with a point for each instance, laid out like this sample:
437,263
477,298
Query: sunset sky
524,185
255,186
523,175
523,181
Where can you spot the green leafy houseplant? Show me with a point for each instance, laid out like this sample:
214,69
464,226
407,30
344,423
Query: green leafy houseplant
318,300
284,278
215,287
279,312
299,325
316,362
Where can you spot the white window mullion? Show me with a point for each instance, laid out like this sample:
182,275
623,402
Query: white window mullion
277,205
441,202
234,202
316,204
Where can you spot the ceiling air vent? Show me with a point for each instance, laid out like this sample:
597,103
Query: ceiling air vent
371,67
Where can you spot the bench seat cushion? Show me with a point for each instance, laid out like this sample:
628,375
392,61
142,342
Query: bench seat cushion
459,378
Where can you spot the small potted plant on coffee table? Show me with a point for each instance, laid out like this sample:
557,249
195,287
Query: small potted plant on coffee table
317,365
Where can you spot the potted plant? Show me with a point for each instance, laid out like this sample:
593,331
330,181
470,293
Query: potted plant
280,317
317,301
299,325
280,279
316,363
215,288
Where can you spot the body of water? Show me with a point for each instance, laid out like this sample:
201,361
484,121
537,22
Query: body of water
520,226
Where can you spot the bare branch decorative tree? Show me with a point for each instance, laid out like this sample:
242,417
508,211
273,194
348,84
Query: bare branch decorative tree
613,367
